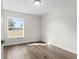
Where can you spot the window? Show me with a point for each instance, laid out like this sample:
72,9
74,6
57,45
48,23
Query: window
15,27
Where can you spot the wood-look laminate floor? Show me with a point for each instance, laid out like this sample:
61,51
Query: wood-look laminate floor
27,51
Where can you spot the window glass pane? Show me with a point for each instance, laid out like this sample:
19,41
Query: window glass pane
15,27
16,22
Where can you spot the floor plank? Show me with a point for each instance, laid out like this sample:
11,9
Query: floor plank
27,51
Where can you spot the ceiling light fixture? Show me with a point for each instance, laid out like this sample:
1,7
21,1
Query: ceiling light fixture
37,3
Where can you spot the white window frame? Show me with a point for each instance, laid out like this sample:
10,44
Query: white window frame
9,27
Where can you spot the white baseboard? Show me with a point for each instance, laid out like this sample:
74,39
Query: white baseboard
63,48
59,46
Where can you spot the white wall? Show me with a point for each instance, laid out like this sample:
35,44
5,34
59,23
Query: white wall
32,27
59,27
